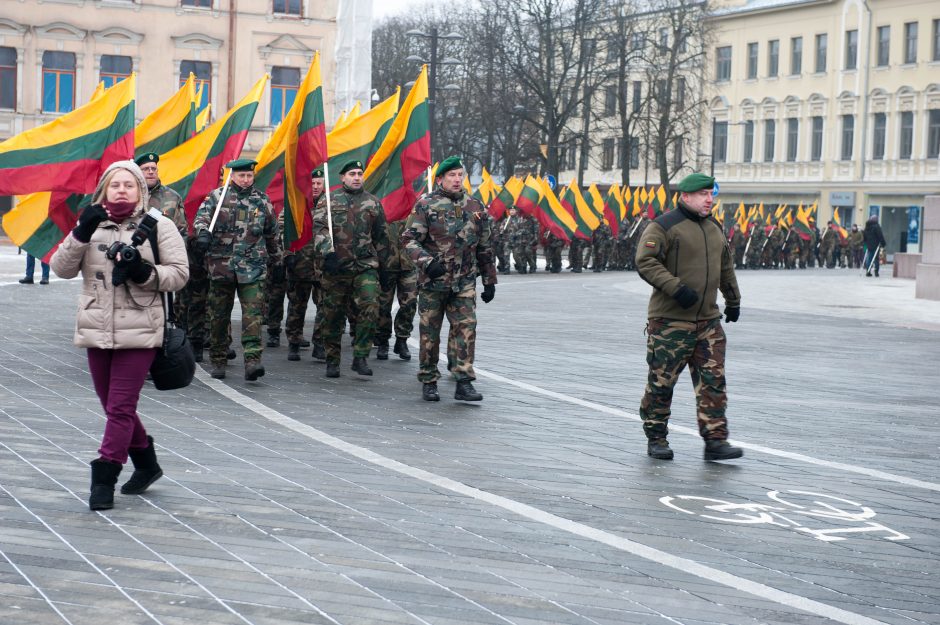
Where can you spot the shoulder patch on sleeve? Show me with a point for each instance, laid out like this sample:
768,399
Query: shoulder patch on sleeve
649,244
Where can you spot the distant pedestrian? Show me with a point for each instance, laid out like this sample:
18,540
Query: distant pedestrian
120,317
31,271
874,239
684,326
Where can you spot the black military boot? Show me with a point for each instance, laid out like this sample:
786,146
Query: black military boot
319,352
218,371
360,366
104,475
658,448
146,469
381,351
304,343
466,392
253,370
230,354
401,348
274,338
197,350
332,369
721,450
293,351
429,392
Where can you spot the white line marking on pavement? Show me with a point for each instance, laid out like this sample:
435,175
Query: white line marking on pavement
851,468
623,544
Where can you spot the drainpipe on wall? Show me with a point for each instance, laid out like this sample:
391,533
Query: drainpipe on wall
230,92
864,93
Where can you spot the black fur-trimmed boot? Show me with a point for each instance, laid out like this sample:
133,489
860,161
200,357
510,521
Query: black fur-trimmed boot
146,469
104,475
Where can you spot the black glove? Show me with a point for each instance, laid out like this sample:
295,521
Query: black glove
685,296
732,313
201,245
277,273
290,262
386,280
434,270
88,222
331,263
489,292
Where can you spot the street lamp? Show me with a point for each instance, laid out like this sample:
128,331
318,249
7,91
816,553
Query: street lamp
433,62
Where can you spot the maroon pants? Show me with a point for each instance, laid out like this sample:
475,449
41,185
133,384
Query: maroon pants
118,375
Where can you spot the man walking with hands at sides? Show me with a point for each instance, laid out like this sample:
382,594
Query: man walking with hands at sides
684,326
448,236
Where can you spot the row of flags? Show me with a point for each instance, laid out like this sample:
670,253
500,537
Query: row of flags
54,167
784,217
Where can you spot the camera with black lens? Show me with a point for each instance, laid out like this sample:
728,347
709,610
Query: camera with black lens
124,255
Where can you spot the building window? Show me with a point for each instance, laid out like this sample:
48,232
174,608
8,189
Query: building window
793,137
634,153
680,94
637,95
202,70
636,42
58,82
933,134
719,142
848,136
610,100
796,56
572,153
748,141
199,4
7,78
936,40
752,60
884,46
288,7
878,137
677,155
822,45
907,135
773,57
817,139
851,49
770,134
284,84
664,38
114,69
723,63
607,154
910,42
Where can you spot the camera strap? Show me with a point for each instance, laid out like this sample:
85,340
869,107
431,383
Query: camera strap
167,297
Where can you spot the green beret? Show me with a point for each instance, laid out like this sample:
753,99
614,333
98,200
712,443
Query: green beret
241,164
696,182
350,165
317,173
147,157
449,163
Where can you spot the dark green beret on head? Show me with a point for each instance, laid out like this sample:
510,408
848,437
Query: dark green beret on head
696,182
317,173
147,157
242,164
350,165
451,162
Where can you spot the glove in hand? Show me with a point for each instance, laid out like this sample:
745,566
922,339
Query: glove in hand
434,270
88,222
685,296
489,292
331,263
732,313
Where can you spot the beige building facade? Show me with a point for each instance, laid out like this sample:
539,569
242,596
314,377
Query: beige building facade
828,101
54,52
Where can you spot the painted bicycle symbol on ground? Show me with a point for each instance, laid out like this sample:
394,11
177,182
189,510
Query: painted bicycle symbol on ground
831,517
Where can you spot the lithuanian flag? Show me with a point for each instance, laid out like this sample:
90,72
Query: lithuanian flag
557,220
529,196
801,223
584,217
172,124
193,169
614,208
396,172
505,198
838,223
596,203
360,138
487,189
71,152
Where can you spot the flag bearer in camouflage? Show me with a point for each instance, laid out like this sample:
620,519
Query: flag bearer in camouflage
238,250
685,256
303,279
354,264
575,254
523,238
448,236
602,241
552,245
403,282
275,291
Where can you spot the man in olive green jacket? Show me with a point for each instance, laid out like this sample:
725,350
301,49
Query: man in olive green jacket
685,256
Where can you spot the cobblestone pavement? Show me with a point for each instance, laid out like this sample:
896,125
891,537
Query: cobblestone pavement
301,499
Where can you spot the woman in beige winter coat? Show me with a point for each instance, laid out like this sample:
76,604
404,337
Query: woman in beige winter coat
120,318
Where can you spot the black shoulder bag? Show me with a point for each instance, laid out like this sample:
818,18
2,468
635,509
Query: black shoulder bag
175,364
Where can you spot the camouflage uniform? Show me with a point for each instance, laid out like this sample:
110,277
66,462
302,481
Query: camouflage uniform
738,243
169,202
619,246
553,245
575,253
501,243
829,248
636,227
791,249
856,243
523,233
754,247
602,241
454,230
405,284
303,286
678,336
245,239
360,241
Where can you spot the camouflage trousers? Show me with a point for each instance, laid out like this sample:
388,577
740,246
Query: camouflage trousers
524,258
406,288
576,253
460,309
340,292
274,294
553,259
601,254
299,294
501,248
193,301
221,301
670,346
